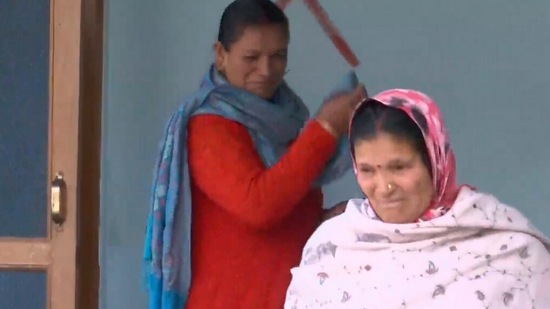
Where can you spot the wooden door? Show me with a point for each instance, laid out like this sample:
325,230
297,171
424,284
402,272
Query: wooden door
43,93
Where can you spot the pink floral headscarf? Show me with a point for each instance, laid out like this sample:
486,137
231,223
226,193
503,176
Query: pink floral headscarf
425,113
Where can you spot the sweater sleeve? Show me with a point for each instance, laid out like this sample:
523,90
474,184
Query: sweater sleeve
224,164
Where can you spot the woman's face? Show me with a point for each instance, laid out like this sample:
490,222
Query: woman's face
392,175
257,60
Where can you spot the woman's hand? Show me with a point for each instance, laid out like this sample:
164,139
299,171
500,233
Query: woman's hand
336,210
334,115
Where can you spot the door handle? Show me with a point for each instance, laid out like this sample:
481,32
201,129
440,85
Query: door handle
58,199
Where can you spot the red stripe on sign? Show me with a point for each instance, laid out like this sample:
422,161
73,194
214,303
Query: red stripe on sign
331,31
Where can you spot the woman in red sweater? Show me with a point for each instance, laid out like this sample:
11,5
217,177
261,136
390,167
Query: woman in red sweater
243,162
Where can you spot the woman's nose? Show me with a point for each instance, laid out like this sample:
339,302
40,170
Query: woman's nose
384,184
264,66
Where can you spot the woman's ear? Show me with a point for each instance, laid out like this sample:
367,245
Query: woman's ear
220,56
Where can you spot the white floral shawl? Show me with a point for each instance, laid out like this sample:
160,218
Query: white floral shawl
480,254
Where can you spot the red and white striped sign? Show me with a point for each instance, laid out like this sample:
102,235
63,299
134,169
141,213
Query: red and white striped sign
329,28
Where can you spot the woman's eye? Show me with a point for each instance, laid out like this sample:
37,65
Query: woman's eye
250,58
398,167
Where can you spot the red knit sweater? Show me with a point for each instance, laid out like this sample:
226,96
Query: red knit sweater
249,223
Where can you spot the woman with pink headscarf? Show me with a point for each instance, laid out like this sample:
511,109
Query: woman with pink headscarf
418,240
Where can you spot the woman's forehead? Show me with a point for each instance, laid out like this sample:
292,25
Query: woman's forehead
382,149
261,37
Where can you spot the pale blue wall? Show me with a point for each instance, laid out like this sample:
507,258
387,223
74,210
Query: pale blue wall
485,62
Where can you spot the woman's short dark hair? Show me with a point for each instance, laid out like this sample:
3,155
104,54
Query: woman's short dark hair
374,117
241,14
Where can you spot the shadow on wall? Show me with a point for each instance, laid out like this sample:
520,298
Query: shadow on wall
482,63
